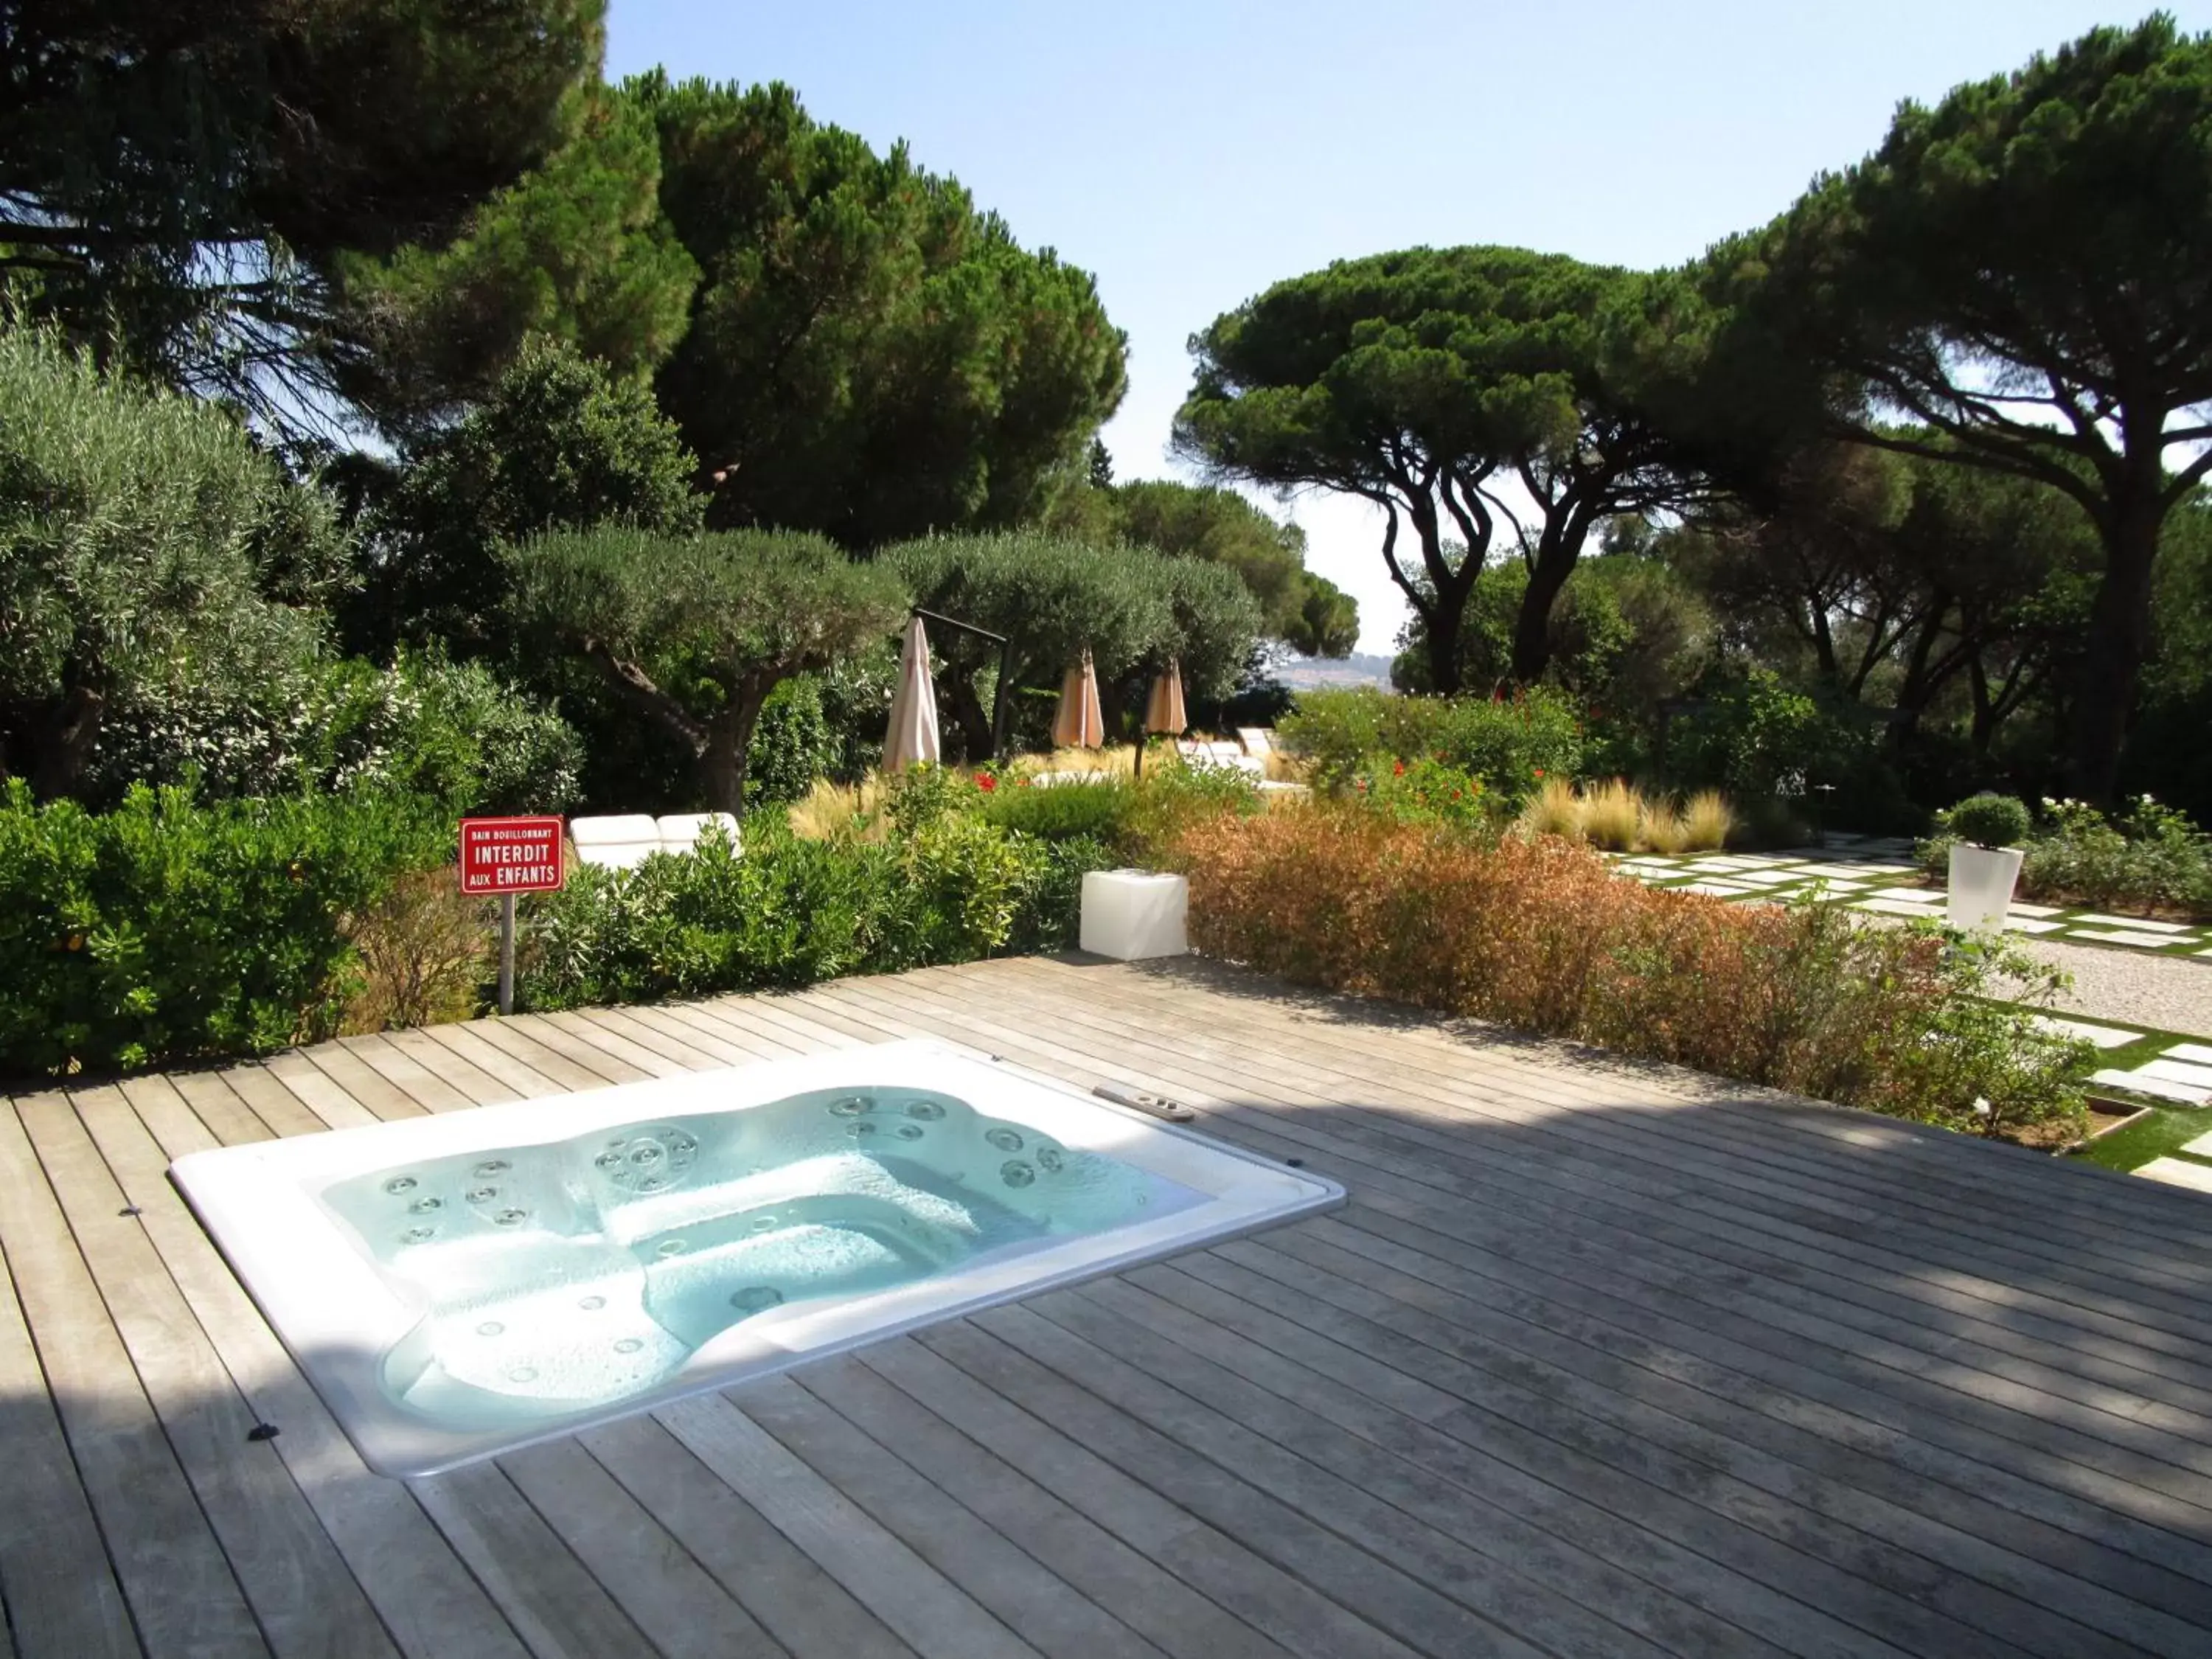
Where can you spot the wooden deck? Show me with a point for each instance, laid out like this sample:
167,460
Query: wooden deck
1598,1361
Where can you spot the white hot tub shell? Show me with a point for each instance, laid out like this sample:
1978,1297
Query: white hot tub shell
457,1285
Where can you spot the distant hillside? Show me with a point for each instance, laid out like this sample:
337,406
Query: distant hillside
1318,673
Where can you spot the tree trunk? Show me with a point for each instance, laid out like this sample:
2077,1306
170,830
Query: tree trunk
1919,687
722,762
970,716
2118,640
58,760
1441,635
1558,551
1532,628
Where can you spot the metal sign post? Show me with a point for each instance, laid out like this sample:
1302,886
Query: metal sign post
505,857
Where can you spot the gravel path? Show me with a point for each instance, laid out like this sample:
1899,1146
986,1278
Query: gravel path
2173,993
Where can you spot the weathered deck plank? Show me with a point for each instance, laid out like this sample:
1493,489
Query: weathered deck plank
1600,1359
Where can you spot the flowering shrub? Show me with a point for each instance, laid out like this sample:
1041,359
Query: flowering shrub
423,726
2145,857
1540,936
1512,743
1427,792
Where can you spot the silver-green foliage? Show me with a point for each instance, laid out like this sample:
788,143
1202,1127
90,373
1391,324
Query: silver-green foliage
151,557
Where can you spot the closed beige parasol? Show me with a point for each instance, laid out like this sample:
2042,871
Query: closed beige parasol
912,740
1079,725
1163,708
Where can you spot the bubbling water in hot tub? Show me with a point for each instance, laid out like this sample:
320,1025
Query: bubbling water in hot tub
554,1278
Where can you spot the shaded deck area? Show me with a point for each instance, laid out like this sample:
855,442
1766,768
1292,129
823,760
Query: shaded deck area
1599,1360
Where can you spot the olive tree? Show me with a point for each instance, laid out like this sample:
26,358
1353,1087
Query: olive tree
1309,613
1053,597
151,557
694,631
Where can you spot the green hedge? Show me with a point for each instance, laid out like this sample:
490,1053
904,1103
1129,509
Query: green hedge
788,911
168,931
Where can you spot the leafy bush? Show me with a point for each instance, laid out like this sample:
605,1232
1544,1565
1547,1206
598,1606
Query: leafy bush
1062,811
1987,820
1512,743
1051,915
788,910
792,745
2145,857
1762,741
1539,935
167,930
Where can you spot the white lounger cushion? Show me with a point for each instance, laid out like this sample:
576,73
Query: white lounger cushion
615,843
601,832
680,831
626,840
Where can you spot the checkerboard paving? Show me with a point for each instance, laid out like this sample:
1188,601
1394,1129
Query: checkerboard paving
1870,874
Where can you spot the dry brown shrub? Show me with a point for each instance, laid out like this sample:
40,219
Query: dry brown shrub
425,952
1539,935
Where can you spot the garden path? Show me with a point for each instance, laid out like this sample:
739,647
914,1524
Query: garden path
1600,1359
1880,877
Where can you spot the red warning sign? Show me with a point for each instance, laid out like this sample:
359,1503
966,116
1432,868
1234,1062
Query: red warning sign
510,855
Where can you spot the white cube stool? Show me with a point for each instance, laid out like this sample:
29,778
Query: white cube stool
1131,914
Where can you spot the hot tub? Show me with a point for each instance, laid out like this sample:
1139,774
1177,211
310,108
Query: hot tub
458,1285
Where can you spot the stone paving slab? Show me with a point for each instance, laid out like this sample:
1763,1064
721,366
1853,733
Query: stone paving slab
2196,1052
1847,875
2177,1071
2175,1172
1889,906
2095,919
2121,936
2160,1087
2103,1036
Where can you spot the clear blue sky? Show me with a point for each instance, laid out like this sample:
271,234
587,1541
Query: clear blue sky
1190,153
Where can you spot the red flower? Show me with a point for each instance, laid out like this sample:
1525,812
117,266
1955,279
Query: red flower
986,782
1454,794
1539,771
1398,768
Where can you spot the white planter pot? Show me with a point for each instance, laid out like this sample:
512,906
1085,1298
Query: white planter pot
1982,879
